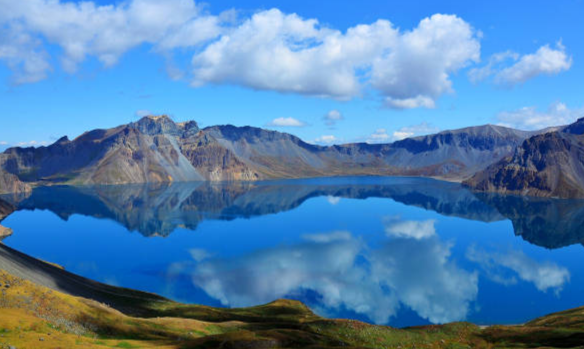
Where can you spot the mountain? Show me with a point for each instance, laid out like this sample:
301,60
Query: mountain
456,154
10,183
548,164
156,149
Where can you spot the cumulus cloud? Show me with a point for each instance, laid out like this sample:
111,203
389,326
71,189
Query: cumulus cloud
544,275
86,29
530,118
332,117
417,69
545,61
286,53
347,274
379,136
286,122
325,139
415,130
23,54
270,50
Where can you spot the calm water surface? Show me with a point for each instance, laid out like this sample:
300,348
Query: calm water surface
397,251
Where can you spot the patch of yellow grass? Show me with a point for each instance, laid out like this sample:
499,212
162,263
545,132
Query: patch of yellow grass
32,316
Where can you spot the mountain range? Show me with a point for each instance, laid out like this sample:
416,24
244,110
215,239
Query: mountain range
156,149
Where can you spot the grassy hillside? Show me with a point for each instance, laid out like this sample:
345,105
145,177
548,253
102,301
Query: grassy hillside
36,316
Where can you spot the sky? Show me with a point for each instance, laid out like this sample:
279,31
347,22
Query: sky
328,71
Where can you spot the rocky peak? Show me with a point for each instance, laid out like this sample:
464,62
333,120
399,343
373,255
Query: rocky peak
190,128
576,128
62,140
155,125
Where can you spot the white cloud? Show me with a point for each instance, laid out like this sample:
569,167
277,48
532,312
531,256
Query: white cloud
32,143
326,139
416,70
286,122
286,53
379,136
410,103
410,229
23,54
529,118
544,275
332,117
415,130
545,61
106,32
270,50
479,74
3,143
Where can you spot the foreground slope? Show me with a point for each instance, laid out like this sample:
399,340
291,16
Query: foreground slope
156,149
42,307
549,164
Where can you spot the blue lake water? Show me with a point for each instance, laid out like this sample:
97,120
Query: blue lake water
397,251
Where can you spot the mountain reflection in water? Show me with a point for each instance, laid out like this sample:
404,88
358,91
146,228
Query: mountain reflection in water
157,210
389,265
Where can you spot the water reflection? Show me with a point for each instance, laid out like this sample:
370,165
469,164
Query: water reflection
550,223
505,266
425,251
158,210
347,273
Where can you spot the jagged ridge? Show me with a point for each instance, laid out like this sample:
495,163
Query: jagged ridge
549,164
156,149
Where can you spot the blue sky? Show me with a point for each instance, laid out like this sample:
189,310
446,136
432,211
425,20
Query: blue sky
381,70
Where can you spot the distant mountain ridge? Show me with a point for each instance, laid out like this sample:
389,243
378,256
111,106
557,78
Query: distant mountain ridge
549,164
156,149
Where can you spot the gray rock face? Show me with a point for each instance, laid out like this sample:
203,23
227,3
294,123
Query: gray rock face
10,183
549,164
156,149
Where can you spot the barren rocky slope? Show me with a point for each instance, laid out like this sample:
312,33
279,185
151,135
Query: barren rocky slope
549,164
156,149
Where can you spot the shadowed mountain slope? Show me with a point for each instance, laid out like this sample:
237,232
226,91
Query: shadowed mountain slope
549,164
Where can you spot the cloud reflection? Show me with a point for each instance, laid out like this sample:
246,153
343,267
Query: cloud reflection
409,229
544,275
348,274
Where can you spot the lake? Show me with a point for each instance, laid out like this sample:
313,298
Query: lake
397,251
